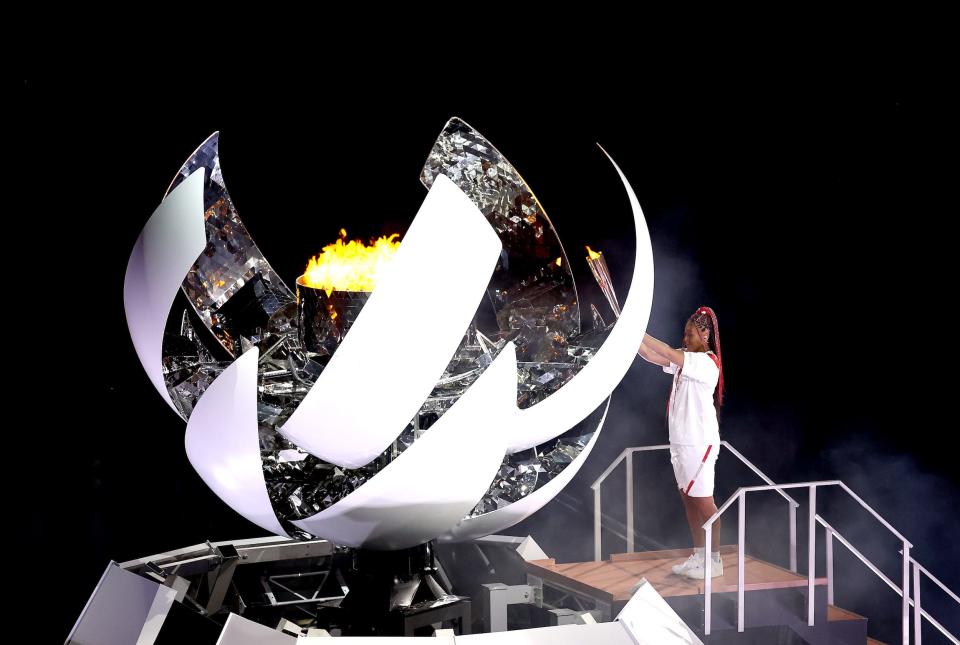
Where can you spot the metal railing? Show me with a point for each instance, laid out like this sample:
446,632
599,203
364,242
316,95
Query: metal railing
740,497
627,455
911,569
831,534
918,612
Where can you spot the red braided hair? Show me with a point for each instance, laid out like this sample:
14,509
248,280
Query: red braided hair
705,319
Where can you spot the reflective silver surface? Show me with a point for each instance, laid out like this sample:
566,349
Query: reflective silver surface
237,296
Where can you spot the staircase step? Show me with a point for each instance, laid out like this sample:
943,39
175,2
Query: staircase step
775,599
838,613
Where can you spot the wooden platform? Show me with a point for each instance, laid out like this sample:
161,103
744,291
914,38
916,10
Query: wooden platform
612,580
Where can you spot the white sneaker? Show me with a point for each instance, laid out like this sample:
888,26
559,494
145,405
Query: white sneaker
695,560
698,572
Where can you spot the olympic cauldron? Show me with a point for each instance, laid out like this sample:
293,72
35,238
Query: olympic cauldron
310,427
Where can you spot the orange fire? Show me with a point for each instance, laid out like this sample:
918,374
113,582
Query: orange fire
593,254
350,265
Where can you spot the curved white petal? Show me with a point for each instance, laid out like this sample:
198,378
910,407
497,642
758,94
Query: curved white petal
167,247
403,338
438,479
500,519
575,400
223,443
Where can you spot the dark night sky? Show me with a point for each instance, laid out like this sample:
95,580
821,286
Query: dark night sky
808,213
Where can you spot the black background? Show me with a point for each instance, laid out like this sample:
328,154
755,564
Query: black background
808,212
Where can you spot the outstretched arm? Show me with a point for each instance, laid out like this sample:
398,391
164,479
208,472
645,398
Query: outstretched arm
650,357
662,350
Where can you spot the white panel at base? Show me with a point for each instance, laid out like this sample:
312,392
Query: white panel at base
651,621
584,392
241,631
599,633
124,609
438,479
223,442
442,639
169,245
530,550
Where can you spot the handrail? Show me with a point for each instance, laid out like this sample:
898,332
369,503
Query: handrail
756,470
836,534
935,580
750,489
627,454
814,519
740,496
616,462
875,514
833,533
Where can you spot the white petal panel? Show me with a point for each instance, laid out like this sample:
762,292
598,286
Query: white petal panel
438,479
223,443
167,247
396,350
576,399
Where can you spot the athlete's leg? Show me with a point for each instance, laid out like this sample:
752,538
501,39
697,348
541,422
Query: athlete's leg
704,508
693,518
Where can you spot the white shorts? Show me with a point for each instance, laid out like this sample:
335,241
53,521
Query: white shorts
693,467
